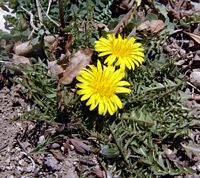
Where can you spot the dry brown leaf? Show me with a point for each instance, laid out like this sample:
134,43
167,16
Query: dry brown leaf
193,36
126,4
154,26
97,172
66,147
23,48
50,39
61,46
100,25
76,63
57,154
124,21
54,68
80,146
87,162
16,59
69,43
8,46
73,125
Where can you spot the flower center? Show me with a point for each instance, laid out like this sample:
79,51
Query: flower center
104,86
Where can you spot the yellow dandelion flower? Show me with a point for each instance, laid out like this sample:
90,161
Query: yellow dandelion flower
100,86
120,52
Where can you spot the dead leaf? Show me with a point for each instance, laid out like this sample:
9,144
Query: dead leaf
191,149
98,173
8,46
69,42
80,60
20,59
23,48
61,46
50,131
179,9
80,146
66,147
100,25
124,21
196,97
193,36
126,4
15,61
54,68
73,125
87,162
50,39
57,154
154,26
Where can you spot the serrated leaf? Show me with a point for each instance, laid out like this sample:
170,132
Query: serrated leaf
109,152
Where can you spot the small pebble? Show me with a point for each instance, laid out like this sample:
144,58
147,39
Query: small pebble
11,176
198,167
21,162
29,169
62,148
195,78
19,168
41,140
8,149
8,160
50,162
55,145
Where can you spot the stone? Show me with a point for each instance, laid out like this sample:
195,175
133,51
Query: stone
195,78
41,140
50,162
55,145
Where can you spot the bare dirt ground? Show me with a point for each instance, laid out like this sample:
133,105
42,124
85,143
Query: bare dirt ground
19,138
15,158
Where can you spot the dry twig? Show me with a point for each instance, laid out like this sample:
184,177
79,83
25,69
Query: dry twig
193,86
39,11
53,21
31,18
49,6
61,13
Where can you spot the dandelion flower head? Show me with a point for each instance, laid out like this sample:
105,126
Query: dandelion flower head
125,53
100,86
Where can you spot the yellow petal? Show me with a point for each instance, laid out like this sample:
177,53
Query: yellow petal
99,67
138,53
83,91
91,100
81,79
110,60
101,107
93,105
122,90
86,96
105,53
111,109
116,100
137,45
105,104
128,65
123,83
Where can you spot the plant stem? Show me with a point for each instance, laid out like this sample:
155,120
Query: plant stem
61,13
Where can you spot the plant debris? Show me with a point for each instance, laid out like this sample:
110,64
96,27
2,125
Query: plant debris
151,131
